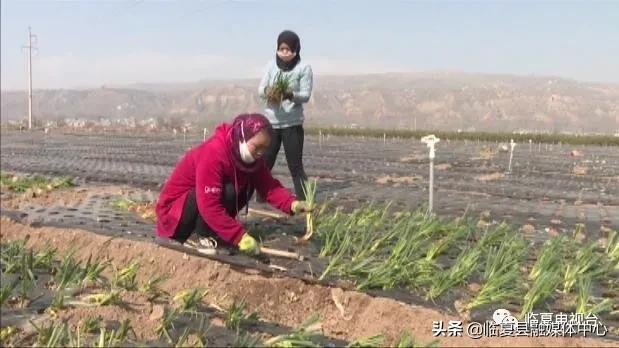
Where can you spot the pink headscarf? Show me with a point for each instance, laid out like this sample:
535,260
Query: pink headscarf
247,125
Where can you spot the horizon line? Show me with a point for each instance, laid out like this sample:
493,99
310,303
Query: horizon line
132,86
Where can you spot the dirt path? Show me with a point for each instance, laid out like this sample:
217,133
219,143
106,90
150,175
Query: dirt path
63,197
285,301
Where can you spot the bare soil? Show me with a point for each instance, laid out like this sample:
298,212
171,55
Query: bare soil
490,177
61,197
388,179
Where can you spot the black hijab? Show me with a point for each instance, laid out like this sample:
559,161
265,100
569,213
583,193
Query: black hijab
292,40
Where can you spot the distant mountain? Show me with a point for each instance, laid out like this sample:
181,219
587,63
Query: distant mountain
393,100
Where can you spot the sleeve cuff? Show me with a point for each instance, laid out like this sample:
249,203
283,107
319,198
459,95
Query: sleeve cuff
238,237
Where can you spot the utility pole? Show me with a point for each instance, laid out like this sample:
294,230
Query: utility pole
29,47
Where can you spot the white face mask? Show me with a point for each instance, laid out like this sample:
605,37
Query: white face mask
244,149
286,57
245,154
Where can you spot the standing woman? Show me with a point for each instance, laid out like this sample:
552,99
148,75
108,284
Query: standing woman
286,112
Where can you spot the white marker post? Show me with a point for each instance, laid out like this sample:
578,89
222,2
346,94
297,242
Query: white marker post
511,154
204,135
430,141
320,139
184,135
530,144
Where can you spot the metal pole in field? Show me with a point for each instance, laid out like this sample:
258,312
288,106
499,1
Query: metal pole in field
204,135
430,141
29,47
184,135
29,79
530,142
320,139
511,154
384,138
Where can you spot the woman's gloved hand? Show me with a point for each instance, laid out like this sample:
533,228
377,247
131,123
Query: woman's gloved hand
249,245
299,207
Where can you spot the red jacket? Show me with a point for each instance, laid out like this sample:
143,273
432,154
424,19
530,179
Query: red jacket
205,167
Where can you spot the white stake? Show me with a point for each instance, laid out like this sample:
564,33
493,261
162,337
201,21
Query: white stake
184,135
320,138
384,138
430,141
204,136
530,142
511,154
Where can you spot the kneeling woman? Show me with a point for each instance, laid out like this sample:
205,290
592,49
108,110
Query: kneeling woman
217,178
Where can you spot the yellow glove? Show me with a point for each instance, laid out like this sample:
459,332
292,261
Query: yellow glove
299,207
249,245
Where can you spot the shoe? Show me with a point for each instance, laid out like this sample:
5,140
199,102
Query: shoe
204,245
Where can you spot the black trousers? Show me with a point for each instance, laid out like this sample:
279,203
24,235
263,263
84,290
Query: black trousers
192,221
292,138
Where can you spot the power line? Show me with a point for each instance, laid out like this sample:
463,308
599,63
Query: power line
30,47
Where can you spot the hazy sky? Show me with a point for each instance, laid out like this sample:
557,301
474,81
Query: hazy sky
90,43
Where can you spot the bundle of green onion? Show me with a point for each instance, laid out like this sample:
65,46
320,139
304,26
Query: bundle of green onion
309,190
276,92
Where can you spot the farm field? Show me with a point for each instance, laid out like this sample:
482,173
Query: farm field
547,187
542,237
